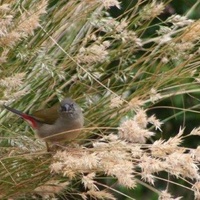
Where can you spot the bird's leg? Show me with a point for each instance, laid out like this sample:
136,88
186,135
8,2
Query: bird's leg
53,146
47,146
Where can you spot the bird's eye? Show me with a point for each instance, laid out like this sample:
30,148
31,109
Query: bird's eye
67,107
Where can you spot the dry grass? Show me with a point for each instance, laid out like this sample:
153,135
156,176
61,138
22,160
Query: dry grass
117,71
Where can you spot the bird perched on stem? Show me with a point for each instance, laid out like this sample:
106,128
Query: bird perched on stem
62,122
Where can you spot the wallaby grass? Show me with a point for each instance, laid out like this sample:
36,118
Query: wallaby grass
121,71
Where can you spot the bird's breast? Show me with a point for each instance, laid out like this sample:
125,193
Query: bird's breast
61,130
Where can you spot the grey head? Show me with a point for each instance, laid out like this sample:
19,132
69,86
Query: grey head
69,109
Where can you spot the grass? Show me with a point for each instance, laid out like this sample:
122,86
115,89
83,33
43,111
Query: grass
132,74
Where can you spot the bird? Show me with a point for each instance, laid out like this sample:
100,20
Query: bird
62,122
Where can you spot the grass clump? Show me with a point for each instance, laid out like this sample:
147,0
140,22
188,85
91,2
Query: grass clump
135,73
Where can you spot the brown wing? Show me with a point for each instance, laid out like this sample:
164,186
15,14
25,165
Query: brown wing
47,115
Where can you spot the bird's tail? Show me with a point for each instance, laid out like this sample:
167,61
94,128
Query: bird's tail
30,119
